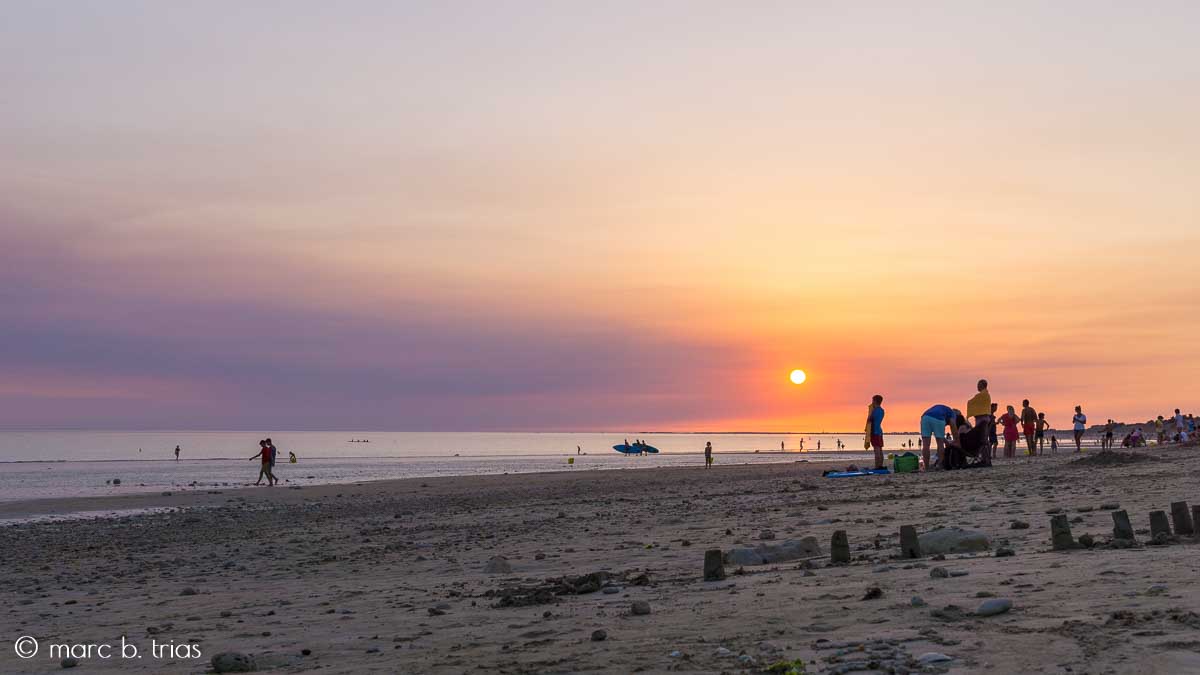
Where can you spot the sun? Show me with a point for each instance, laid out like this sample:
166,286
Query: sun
798,376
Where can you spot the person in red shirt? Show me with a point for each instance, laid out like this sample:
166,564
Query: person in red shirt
264,453
1011,432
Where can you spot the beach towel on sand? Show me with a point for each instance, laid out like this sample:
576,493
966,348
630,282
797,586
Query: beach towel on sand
867,436
980,404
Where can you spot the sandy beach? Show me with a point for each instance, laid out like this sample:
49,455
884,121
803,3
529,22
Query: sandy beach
403,576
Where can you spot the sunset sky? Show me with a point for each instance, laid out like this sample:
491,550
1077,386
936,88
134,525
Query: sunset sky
594,216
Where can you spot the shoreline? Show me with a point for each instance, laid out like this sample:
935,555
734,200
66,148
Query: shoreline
209,496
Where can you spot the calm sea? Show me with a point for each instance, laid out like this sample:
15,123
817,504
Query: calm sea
39,464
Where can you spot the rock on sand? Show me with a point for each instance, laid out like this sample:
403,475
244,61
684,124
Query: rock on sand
768,554
233,662
953,540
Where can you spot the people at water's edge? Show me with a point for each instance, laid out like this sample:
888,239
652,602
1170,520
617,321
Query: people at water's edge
1029,420
264,455
177,453
708,454
1042,425
875,425
1011,434
1080,424
993,440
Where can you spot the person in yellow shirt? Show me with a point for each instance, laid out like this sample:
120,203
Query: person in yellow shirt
979,407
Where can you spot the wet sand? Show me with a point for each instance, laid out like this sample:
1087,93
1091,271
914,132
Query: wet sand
394,576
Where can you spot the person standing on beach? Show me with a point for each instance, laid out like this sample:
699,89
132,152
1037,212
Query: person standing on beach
1029,426
264,454
933,425
993,440
1107,442
1079,421
1009,420
177,453
1180,426
1042,425
980,406
1159,431
708,454
875,424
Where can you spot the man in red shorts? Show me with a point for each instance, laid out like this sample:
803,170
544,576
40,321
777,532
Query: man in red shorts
1029,420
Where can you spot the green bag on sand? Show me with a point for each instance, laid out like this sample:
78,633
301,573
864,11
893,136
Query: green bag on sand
906,463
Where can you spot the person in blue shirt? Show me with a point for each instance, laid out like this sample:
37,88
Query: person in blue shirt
875,422
933,425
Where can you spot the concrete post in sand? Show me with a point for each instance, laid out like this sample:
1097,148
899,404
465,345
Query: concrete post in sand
1181,518
1122,528
1159,524
714,565
910,545
1195,520
839,548
1060,533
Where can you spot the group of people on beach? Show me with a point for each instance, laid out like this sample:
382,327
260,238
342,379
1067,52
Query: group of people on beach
266,454
975,434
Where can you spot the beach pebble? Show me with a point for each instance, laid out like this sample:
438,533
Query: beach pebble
1005,552
599,635
959,573
116,481
723,653
1019,525
917,601
640,608
610,590
233,662
933,657
69,662
497,565
939,573
675,654
188,591
994,606
766,535
1110,506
